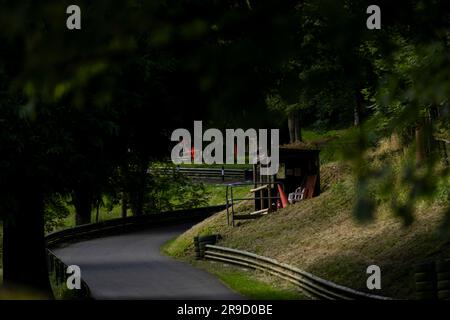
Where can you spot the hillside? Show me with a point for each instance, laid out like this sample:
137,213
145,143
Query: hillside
322,236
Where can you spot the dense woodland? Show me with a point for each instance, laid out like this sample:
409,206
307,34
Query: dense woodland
84,113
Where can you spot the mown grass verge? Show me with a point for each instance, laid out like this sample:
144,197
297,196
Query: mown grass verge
250,284
246,282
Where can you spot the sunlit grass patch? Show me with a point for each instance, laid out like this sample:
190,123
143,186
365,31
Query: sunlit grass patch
252,284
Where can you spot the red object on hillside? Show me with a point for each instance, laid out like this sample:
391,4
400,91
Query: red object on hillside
284,199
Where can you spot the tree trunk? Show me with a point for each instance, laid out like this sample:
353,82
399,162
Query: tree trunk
138,208
295,133
357,108
24,252
83,202
356,119
421,152
291,126
137,201
298,129
98,211
124,205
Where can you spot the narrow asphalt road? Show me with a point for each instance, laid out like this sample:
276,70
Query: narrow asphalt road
130,266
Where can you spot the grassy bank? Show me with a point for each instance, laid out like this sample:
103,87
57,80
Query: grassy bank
322,236
250,284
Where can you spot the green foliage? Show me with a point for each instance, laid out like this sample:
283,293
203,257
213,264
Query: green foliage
172,191
56,211
331,143
158,188
318,58
82,114
392,177
411,92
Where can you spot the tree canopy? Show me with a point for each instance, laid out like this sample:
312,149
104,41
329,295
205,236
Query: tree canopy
84,113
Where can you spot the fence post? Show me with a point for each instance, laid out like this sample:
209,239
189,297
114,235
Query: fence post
425,278
443,280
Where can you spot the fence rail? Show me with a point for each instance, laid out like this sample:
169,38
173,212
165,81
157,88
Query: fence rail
129,224
58,268
215,174
262,192
310,284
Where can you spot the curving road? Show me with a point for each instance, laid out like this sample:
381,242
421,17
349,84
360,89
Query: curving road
130,266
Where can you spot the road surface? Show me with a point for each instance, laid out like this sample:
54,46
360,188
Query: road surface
130,266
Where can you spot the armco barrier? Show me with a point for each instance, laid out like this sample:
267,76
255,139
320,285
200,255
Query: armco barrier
311,285
128,224
432,280
200,243
210,174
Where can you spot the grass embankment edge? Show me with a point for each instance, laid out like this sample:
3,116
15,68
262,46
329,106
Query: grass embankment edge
248,283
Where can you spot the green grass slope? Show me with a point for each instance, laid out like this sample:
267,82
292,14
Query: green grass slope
321,236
